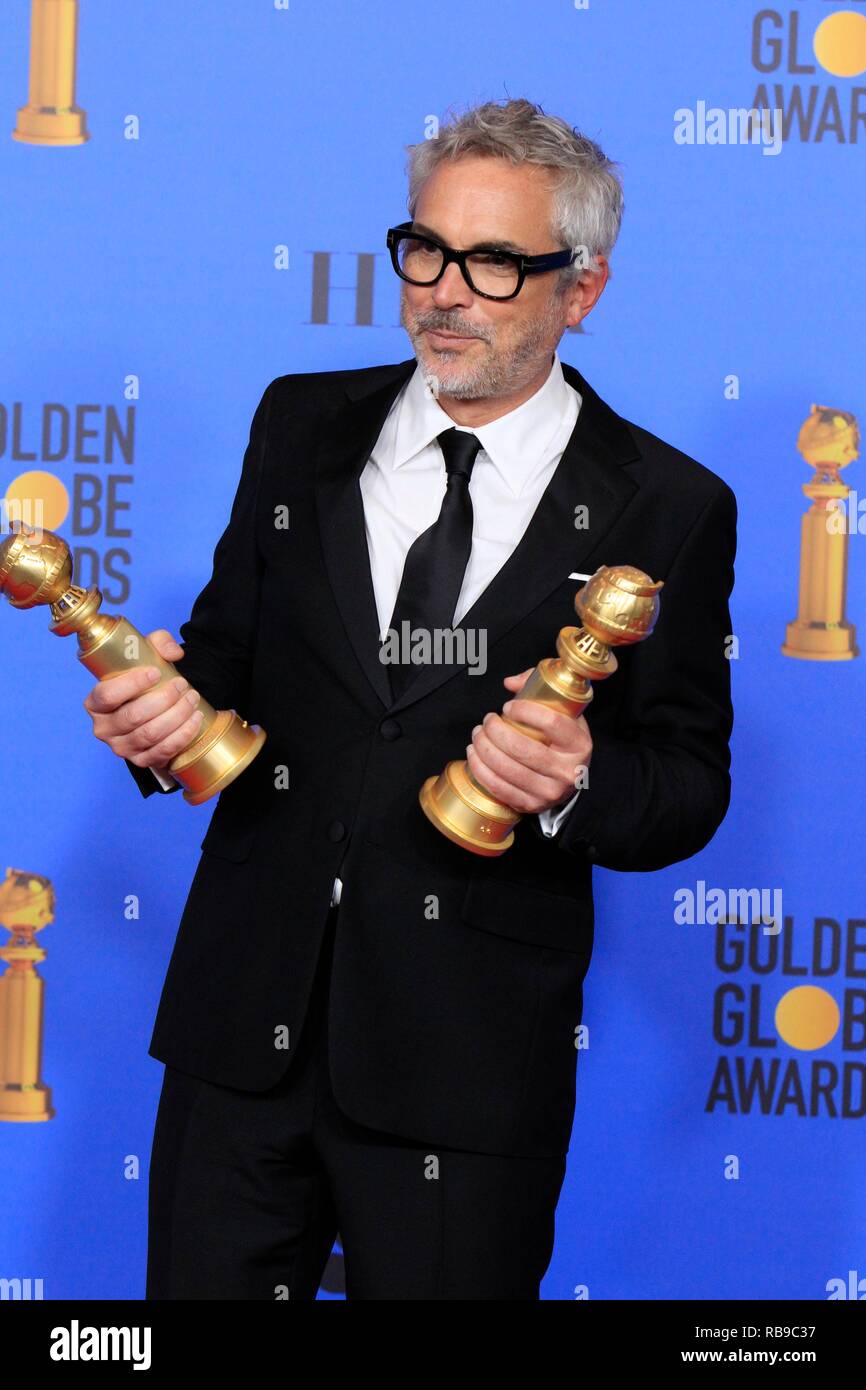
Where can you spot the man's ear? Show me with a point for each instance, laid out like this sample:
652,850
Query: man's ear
586,292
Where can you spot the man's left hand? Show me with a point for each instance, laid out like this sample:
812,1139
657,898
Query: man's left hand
520,771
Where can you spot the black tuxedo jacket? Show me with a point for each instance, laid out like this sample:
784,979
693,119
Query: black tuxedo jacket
456,982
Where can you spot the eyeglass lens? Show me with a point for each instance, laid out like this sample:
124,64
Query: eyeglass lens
491,273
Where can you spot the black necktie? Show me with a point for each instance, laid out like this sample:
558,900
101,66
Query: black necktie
436,561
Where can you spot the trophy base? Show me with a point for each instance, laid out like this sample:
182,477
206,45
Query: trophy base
25,1103
216,758
464,813
50,125
821,641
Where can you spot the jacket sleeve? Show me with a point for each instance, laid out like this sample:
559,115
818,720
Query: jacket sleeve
147,780
219,636
659,786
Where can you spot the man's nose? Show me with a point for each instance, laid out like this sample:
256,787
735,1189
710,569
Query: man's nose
451,288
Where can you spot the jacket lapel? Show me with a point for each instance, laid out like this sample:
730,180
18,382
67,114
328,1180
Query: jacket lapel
340,459
589,475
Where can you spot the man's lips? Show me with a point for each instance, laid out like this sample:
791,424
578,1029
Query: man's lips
449,337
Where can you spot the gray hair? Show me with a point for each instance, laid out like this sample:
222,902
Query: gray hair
587,198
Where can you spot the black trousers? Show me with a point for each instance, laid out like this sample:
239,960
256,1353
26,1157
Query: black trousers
248,1190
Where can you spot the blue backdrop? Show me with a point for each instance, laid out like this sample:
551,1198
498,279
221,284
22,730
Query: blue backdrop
142,272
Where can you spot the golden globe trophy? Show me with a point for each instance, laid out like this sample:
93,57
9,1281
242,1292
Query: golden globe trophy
36,569
617,607
828,440
26,906
51,116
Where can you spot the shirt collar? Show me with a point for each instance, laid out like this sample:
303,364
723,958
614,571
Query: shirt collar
516,443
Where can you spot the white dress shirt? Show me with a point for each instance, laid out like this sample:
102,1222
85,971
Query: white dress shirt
404,481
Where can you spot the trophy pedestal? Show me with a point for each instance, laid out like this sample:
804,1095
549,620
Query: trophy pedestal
28,1103
50,126
217,757
465,813
821,641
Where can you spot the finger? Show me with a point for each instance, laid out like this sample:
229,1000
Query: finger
518,682
131,715
148,735
559,764
556,766
162,754
506,750
112,692
509,781
494,734
165,644
560,730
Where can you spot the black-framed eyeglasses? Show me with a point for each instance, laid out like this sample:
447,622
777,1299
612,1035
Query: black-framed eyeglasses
490,271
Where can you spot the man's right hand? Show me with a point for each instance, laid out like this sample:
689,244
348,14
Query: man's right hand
148,727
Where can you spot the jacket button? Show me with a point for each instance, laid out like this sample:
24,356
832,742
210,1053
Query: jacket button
390,729
336,830
591,851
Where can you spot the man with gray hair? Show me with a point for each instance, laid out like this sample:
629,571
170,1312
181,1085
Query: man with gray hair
365,1028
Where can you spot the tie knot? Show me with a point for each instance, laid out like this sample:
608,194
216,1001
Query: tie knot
460,449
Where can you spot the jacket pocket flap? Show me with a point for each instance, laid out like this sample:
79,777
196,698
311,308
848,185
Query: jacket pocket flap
528,914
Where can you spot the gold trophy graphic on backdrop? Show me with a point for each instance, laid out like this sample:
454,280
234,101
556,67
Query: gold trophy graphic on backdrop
26,906
51,116
617,607
36,569
828,440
